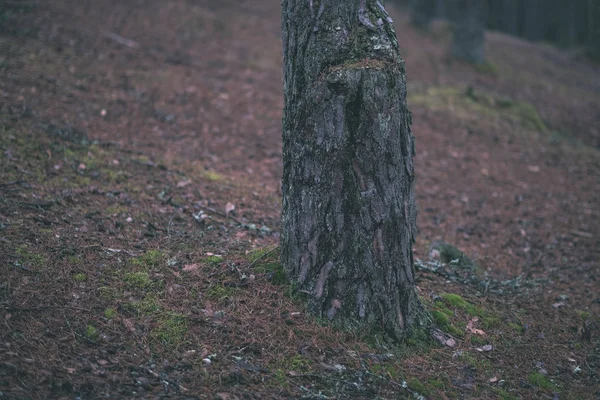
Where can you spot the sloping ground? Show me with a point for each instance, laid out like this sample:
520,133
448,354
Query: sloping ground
140,204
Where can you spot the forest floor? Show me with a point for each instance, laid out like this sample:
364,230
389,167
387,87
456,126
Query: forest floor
140,198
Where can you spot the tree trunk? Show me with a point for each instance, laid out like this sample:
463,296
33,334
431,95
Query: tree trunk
532,19
509,17
440,9
567,35
593,40
423,11
469,30
494,16
349,215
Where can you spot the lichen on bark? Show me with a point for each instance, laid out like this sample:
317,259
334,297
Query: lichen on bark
349,214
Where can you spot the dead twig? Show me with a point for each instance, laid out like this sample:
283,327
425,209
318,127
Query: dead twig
263,256
17,182
20,4
583,234
121,40
166,381
154,227
46,308
37,205
220,214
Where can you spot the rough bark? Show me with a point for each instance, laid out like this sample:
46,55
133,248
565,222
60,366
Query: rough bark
349,215
469,30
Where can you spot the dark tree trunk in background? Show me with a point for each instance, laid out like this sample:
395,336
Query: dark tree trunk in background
440,9
583,13
349,215
567,35
593,43
565,23
494,15
532,17
423,11
469,17
509,17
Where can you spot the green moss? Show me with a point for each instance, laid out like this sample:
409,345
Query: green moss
142,159
116,209
455,331
297,363
91,333
83,181
541,381
80,277
149,305
266,261
113,176
454,300
486,68
418,387
139,279
477,340
524,112
107,292
387,369
441,306
30,259
472,104
503,394
151,258
278,379
214,260
255,255
478,363
68,153
212,176
440,318
584,315
110,313
274,271
516,327
489,321
437,383
171,330
418,341
74,260
219,292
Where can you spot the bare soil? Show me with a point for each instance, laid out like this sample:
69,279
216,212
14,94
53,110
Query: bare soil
139,212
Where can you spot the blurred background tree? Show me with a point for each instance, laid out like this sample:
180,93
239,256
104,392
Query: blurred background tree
571,24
